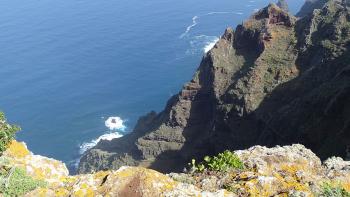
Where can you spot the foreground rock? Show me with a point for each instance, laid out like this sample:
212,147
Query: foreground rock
275,80
286,171
124,182
289,170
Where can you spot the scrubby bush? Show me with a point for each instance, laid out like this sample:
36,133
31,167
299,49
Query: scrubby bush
15,182
329,190
222,162
7,132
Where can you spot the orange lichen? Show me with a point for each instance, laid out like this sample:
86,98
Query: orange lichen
346,185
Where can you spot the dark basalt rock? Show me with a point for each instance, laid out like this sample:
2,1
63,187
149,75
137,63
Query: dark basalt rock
275,80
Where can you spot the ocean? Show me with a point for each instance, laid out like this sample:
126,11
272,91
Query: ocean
75,71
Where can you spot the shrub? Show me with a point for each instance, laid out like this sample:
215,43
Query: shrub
15,182
222,162
329,190
7,132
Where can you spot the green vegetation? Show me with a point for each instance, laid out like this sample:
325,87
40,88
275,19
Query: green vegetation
14,181
222,162
329,190
7,132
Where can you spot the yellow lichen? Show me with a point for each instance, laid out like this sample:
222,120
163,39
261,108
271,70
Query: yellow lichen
125,173
17,149
68,179
61,192
89,192
39,174
101,174
83,186
79,193
42,192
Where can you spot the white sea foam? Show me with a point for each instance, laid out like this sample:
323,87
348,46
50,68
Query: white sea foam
115,123
212,13
196,18
201,43
88,145
108,136
210,45
188,29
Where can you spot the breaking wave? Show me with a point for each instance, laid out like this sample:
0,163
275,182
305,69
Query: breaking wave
108,136
201,44
210,45
114,124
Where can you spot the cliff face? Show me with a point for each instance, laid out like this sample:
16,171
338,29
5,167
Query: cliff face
310,6
274,80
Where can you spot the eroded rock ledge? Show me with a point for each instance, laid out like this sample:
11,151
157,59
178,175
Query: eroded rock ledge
289,170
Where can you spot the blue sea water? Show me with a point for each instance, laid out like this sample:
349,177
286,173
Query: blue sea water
66,66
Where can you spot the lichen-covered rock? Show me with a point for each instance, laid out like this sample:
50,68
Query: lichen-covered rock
37,166
124,182
285,171
127,181
288,170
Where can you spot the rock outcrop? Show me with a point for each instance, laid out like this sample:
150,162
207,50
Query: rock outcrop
283,5
289,170
125,182
279,171
38,167
275,80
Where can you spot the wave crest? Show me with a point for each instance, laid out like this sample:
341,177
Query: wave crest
209,45
115,123
108,136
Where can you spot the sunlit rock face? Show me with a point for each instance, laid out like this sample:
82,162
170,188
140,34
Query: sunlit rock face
37,166
276,79
126,181
279,171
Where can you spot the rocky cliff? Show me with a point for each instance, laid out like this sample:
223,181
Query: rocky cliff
274,80
279,171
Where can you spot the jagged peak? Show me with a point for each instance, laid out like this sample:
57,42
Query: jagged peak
283,5
275,15
228,34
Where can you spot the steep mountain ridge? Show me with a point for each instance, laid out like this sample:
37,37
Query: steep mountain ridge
274,80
